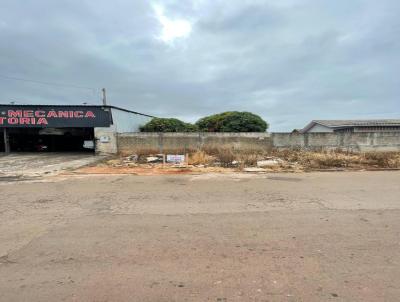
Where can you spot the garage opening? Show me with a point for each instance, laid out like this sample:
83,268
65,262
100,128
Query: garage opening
50,140
2,146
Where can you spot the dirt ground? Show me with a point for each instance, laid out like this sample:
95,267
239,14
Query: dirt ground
210,237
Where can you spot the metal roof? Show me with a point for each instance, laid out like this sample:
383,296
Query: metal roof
353,123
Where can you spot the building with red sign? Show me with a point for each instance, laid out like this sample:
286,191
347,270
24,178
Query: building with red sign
65,127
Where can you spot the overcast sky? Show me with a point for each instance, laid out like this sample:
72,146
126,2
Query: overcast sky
289,61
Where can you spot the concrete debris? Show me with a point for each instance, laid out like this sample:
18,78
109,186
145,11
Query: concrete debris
269,162
153,159
132,158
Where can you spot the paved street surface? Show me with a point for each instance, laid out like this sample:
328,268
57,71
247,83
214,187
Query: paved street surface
28,165
276,237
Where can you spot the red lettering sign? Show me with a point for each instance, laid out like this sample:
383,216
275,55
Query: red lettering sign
63,114
16,113
25,121
13,120
78,114
28,113
42,121
39,113
90,114
52,116
52,113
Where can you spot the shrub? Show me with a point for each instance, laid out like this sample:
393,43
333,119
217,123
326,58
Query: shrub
167,125
232,121
226,157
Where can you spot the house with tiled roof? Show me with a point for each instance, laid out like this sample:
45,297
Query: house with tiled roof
384,125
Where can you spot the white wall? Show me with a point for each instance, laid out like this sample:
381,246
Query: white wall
319,128
123,121
127,121
105,140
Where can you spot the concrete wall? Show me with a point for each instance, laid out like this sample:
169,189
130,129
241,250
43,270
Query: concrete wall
368,141
164,142
123,121
105,140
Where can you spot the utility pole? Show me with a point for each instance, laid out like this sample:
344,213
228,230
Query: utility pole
104,97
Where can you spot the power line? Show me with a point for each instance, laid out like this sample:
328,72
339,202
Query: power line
48,83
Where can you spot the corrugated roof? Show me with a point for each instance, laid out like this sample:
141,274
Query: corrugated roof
352,123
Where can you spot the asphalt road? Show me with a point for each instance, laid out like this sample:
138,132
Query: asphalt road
277,237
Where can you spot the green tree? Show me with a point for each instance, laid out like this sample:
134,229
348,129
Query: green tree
167,125
232,121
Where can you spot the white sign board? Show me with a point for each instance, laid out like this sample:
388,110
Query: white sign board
176,159
88,144
104,139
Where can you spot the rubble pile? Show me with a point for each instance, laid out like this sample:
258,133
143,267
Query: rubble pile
263,164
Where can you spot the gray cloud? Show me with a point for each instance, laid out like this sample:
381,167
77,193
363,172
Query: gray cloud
289,61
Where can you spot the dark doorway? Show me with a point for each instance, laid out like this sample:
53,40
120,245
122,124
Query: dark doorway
51,139
2,146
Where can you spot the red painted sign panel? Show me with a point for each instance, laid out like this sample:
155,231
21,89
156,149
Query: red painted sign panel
54,116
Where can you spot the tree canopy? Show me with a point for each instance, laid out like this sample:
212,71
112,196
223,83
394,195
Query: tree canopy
232,121
167,125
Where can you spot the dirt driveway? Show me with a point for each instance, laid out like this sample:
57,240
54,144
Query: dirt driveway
40,164
275,237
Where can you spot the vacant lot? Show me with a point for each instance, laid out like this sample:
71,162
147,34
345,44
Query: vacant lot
275,237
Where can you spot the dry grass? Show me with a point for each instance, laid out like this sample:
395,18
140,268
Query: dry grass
301,159
323,159
382,159
200,158
226,157
248,159
339,159
140,152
